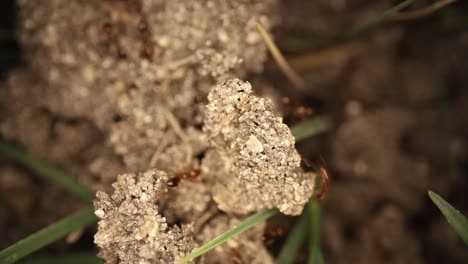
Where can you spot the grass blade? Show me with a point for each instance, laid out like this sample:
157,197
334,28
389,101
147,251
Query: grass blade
454,217
315,254
72,258
293,242
245,225
279,58
46,171
311,127
421,12
381,18
47,235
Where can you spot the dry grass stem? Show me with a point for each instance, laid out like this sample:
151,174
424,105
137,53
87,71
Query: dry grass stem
279,59
327,56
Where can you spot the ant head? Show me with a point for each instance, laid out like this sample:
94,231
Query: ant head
173,182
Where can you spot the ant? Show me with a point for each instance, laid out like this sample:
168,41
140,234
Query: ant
147,50
189,175
324,174
131,11
273,232
114,40
147,47
297,112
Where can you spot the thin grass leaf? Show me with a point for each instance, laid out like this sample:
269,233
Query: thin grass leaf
245,225
46,171
293,242
316,257
311,43
72,258
378,20
315,254
311,127
454,217
426,11
311,60
47,235
282,63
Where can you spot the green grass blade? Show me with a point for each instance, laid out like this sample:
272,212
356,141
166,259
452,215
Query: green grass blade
454,217
311,127
46,171
72,258
423,12
47,235
293,242
315,254
245,225
381,18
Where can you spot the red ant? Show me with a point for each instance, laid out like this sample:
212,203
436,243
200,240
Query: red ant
114,40
132,8
324,175
298,112
272,232
147,50
189,175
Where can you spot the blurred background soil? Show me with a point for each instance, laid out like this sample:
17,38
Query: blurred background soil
397,98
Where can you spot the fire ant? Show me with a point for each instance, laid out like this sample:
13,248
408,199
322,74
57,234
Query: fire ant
297,112
114,40
324,175
147,50
324,182
183,175
273,232
129,14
